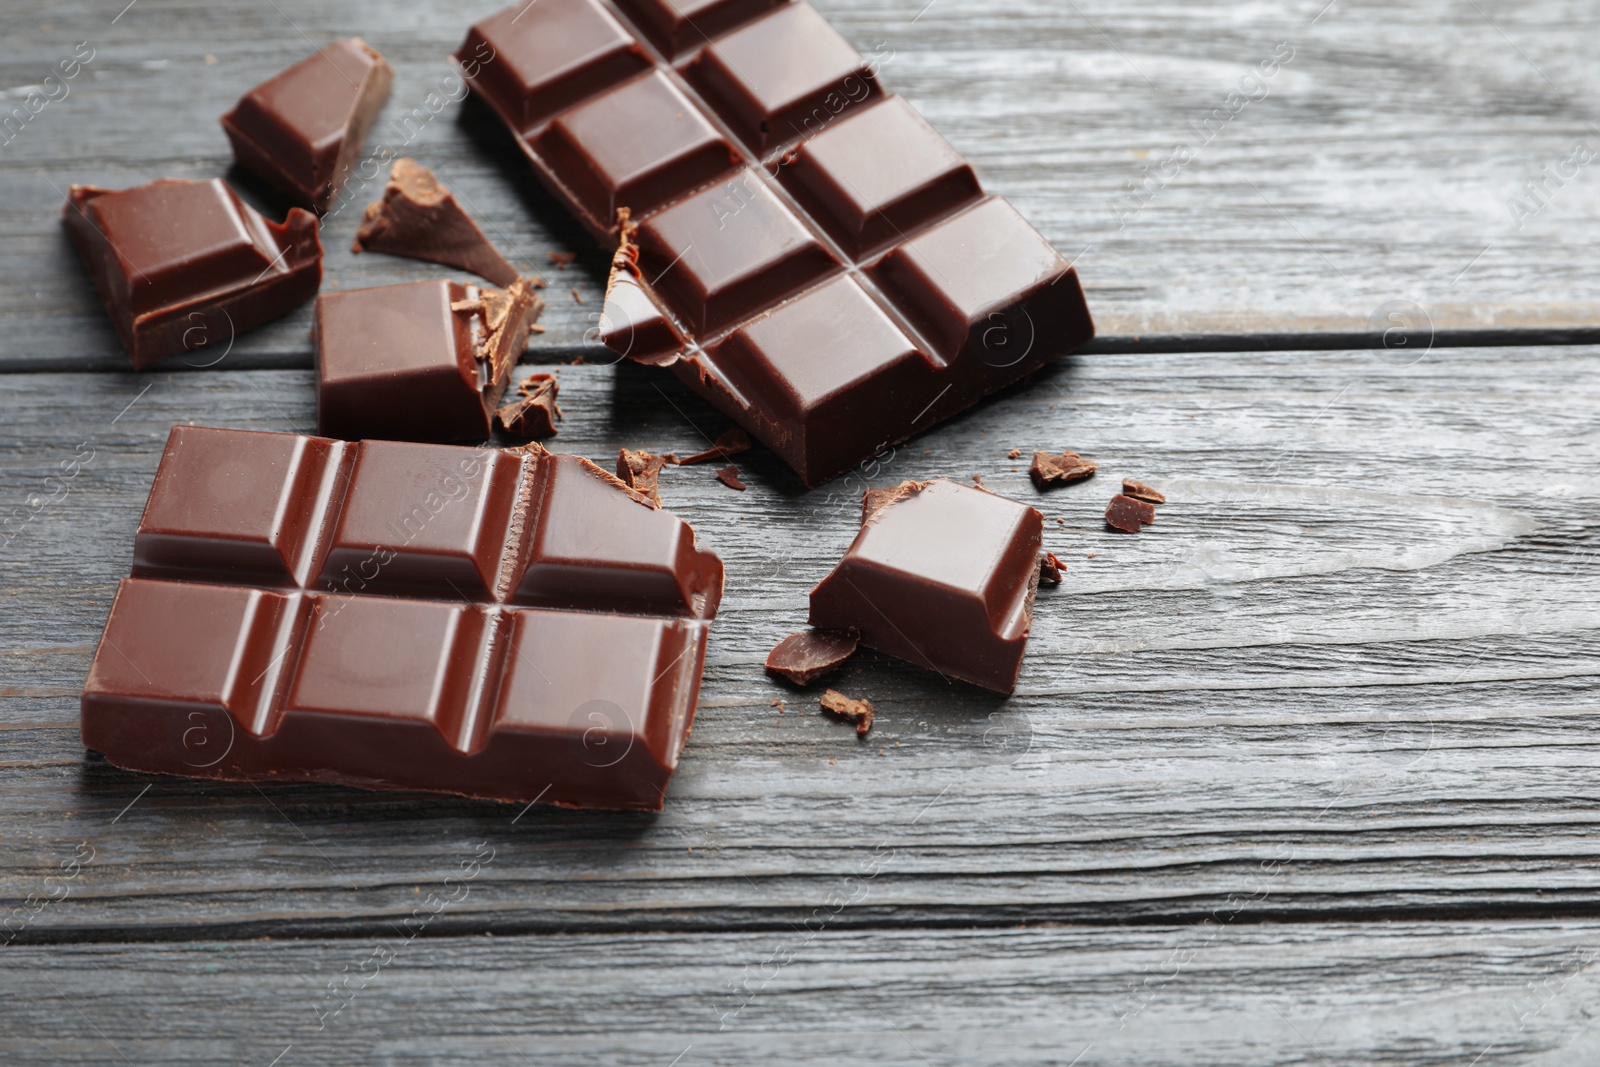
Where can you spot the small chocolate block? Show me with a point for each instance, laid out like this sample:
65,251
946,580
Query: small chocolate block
301,131
942,575
185,266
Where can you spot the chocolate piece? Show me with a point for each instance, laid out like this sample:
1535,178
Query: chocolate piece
1051,568
1128,515
563,260
942,575
804,657
805,252
640,471
1069,467
501,624
184,265
729,476
1140,491
534,412
421,361
729,442
418,217
856,711
1015,453
301,131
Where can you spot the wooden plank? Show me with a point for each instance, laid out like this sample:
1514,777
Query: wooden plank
1188,996
1377,171
1349,672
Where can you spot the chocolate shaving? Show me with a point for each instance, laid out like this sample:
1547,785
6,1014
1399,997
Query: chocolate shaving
534,412
857,711
563,260
639,471
1049,470
729,443
419,219
804,657
1050,568
729,476
1129,515
1140,491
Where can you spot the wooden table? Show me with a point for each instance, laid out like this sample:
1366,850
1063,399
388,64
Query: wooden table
1305,773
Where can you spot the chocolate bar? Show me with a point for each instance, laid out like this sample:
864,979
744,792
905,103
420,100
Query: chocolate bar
802,248
509,624
419,361
301,130
182,265
942,575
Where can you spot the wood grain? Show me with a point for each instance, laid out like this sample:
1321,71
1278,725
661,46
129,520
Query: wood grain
1348,674
1373,174
1186,996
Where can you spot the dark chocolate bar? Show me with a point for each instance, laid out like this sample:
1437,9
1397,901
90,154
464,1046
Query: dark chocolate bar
505,624
301,130
943,575
803,249
182,266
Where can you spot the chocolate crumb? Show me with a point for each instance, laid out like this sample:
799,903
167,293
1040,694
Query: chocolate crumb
640,471
779,704
1128,515
804,657
1015,453
1140,491
728,443
857,711
577,296
1050,568
729,476
419,219
977,480
534,411
563,260
1049,470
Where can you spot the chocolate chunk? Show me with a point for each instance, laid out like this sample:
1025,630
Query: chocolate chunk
804,657
729,476
730,442
301,131
418,218
500,624
421,361
1128,515
856,711
185,266
640,471
1069,467
1140,491
942,575
534,411
773,203
1051,568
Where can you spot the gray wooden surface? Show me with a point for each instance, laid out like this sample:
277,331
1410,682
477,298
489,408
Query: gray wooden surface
1305,773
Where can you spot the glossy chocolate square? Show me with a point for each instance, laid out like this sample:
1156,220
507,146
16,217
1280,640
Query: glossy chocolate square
785,76
877,175
636,146
546,55
230,503
680,26
728,251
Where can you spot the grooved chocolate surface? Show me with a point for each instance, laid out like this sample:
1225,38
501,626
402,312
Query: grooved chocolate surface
509,624
766,174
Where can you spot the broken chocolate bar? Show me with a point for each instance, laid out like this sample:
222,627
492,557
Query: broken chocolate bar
532,414
301,131
418,217
1140,491
1128,515
1049,470
942,575
182,266
501,624
857,711
810,256
421,361
804,657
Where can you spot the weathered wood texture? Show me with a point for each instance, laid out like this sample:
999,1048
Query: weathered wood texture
1187,996
1349,672
1377,170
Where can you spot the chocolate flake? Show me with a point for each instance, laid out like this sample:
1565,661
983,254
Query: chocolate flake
563,260
419,219
639,471
1140,491
857,711
534,411
804,657
729,476
1128,515
729,443
1068,467
1050,568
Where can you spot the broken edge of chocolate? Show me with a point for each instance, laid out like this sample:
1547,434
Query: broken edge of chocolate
1128,515
533,412
419,219
640,471
1140,491
804,657
1069,467
875,500
856,711
631,324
